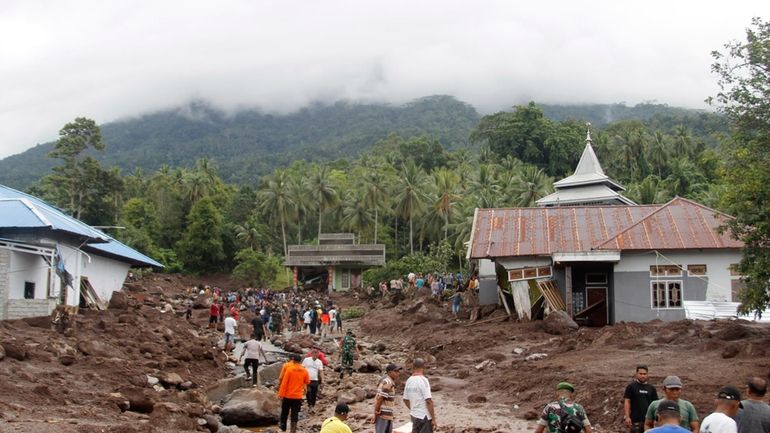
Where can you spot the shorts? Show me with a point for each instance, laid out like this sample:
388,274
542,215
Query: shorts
213,319
229,338
421,425
383,426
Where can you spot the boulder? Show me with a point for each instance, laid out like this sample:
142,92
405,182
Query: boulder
67,360
170,379
139,400
2,353
477,398
94,348
731,351
15,350
172,417
38,322
270,373
359,393
251,406
202,302
118,301
559,323
211,423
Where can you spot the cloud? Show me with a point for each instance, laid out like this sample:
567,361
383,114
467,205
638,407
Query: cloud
107,60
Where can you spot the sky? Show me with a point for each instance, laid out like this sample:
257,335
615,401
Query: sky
110,60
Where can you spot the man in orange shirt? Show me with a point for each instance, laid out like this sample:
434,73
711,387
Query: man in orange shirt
294,379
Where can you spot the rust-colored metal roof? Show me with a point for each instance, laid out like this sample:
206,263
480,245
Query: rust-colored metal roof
679,224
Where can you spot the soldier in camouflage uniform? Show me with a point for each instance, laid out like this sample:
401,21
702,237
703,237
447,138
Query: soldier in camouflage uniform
349,348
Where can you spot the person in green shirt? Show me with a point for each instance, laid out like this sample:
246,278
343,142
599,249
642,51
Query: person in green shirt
672,388
336,424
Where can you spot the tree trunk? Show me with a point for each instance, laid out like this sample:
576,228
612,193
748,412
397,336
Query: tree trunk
375,225
320,215
283,233
446,226
411,243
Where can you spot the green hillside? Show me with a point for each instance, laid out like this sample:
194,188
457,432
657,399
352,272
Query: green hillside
248,144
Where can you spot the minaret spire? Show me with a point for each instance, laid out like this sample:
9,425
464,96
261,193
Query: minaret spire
588,133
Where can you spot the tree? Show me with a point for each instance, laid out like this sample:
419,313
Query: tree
445,188
744,97
255,268
533,185
276,201
374,194
77,172
322,192
409,198
356,214
201,248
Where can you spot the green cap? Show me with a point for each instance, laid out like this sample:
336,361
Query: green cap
565,385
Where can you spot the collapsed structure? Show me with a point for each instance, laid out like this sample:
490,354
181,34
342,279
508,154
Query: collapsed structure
48,258
595,254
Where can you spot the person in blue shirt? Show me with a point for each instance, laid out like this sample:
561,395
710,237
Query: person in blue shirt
668,417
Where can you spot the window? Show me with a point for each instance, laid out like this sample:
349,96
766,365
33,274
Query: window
736,286
346,278
29,290
529,273
666,294
596,278
578,302
665,271
693,270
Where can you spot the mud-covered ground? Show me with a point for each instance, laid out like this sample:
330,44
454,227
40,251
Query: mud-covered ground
483,374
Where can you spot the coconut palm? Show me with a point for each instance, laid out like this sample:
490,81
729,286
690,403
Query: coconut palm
356,214
375,194
533,184
657,152
276,201
445,190
299,194
410,198
322,192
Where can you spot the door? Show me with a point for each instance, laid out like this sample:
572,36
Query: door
597,303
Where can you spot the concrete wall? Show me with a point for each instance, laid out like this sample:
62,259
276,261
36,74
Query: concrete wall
27,268
105,275
633,295
5,259
20,308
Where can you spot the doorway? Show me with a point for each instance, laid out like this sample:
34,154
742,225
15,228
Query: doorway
597,306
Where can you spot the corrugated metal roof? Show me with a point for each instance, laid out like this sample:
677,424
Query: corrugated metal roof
21,210
542,231
679,224
586,194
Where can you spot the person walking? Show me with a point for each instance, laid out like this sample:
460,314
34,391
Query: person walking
213,315
755,415
293,383
668,418
563,414
349,349
721,420
336,424
230,327
251,350
636,399
672,388
457,300
383,401
418,399
315,368
339,320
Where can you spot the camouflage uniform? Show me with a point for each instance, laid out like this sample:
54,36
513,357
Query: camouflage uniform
346,358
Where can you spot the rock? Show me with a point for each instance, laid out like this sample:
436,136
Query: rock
251,406
152,380
202,302
346,397
212,423
731,351
484,364
559,323
359,393
733,331
371,392
462,374
118,301
379,347
15,350
2,353
518,350
477,398
497,357
536,356
270,373
38,322
186,385
120,401
139,400
372,365
172,417
67,360
531,415
292,347
94,348
170,379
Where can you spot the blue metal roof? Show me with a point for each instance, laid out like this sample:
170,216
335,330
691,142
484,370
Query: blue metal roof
20,210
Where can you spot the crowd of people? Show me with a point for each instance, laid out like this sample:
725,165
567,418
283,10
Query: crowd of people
643,410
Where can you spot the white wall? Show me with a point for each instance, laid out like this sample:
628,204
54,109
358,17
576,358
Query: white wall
524,262
105,275
717,267
27,267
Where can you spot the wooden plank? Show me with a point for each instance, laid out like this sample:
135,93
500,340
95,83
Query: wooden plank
589,309
552,296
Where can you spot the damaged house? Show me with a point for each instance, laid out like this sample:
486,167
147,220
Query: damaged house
48,258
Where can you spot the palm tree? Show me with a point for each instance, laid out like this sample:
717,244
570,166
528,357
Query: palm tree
322,192
445,187
250,233
682,141
410,196
534,184
657,152
374,194
299,196
356,214
276,201
648,191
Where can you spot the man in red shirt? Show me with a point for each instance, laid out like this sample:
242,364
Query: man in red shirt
213,315
294,380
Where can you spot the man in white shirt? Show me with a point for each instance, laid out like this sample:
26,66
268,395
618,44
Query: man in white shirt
230,326
332,319
315,368
418,399
307,317
721,421
251,350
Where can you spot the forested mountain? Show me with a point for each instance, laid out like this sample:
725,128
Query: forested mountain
249,143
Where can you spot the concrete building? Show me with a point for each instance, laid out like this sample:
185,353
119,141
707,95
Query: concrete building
594,253
48,258
337,262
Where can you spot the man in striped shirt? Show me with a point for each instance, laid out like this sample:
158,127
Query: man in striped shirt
383,402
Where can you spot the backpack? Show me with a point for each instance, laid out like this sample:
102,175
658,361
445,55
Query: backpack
569,423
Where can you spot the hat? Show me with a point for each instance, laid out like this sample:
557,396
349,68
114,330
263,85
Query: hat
565,385
729,393
342,408
667,406
392,367
672,382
